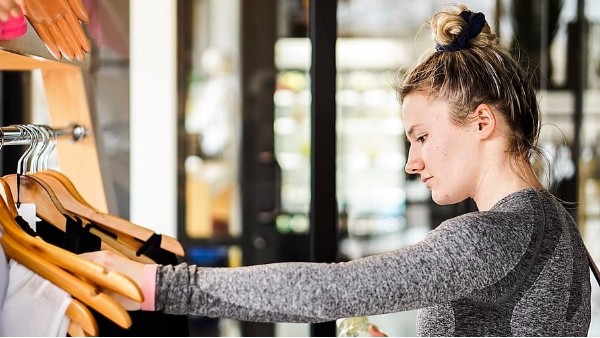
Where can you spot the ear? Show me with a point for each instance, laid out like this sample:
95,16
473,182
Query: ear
485,120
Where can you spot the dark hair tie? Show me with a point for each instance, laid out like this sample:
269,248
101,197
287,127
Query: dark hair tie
475,23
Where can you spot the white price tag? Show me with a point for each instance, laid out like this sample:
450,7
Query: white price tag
27,211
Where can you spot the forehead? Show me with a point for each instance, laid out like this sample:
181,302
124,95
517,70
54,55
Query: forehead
422,109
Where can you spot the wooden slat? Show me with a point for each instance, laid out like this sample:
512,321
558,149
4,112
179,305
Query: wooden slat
67,103
15,61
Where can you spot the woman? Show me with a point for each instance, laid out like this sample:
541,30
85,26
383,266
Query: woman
517,267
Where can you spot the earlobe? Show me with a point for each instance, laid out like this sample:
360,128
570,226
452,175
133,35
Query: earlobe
486,120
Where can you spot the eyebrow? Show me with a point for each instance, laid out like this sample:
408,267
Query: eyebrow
411,131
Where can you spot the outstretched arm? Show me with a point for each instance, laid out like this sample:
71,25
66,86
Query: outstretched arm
452,262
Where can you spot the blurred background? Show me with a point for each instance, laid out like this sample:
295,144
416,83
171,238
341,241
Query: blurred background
202,110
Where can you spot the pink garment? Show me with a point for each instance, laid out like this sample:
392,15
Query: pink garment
13,28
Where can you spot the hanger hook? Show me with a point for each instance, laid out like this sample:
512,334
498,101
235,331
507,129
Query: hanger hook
37,149
36,144
1,138
51,140
37,156
22,162
44,141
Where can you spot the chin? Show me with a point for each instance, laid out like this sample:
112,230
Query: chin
441,198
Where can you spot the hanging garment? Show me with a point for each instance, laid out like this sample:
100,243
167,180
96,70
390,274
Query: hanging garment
3,283
78,239
33,306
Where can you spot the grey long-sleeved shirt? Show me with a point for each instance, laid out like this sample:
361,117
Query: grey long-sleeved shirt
519,269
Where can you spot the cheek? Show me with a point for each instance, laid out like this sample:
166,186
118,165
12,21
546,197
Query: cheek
441,152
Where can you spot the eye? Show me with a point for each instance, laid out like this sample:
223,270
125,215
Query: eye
421,138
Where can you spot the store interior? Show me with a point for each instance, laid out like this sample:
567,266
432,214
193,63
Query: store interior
201,113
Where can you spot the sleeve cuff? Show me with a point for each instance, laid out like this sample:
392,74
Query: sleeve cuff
149,286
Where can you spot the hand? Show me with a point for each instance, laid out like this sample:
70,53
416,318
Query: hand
122,264
57,23
374,331
10,8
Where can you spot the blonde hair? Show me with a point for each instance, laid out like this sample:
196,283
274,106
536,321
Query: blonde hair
480,72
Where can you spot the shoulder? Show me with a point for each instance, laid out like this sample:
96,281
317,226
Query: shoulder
517,212
489,222
491,231
509,225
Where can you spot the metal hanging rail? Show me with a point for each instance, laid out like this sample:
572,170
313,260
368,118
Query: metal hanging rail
13,135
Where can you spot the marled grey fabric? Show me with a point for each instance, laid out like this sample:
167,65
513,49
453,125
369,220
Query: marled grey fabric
501,272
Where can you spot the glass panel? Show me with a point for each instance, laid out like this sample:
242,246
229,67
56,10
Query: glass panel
292,142
292,116
212,123
291,128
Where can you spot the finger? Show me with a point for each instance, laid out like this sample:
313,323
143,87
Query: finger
112,261
374,331
34,12
92,256
70,39
4,16
84,42
9,9
79,10
8,3
128,304
47,39
5,9
16,12
61,43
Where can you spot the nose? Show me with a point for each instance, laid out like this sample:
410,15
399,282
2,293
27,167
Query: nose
414,164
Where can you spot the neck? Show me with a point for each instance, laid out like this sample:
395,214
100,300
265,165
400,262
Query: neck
501,179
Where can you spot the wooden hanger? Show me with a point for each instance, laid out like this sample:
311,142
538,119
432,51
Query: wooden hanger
75,330
42,258
69,261
27,190
82,321
66,194
74,203
78,288
49,207
42,143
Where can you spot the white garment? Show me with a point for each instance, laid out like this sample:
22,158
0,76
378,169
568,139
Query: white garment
33,307
3,283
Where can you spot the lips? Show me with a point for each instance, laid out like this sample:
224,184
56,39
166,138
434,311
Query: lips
425,179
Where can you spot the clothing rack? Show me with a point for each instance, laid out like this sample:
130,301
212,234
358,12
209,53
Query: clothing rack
67,101
15,135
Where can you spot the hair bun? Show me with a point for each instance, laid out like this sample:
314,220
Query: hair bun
458,28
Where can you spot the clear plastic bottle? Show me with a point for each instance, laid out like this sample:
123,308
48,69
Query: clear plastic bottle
353,327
